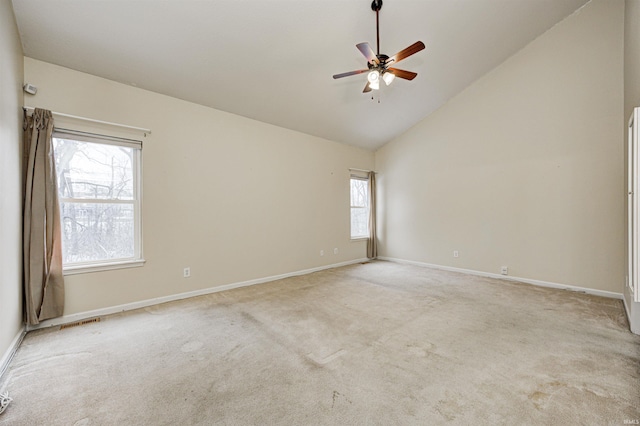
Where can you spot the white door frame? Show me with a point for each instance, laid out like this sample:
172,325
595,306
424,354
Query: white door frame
633,212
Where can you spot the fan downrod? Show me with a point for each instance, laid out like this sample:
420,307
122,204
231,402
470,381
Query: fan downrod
376,5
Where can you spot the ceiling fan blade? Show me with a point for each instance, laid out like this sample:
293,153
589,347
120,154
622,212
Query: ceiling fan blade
347,74
367,88
368,53
414,48
407,75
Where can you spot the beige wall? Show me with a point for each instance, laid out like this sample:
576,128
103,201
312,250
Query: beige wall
631,100
524,167
10,179
232,198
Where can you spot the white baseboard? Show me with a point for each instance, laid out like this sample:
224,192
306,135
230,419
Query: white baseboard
626,309
11,351
66,319
632,317
595,292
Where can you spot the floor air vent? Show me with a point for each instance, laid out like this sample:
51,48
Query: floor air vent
76,324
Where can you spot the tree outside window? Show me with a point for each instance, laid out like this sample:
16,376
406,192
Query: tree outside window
359,208
99,200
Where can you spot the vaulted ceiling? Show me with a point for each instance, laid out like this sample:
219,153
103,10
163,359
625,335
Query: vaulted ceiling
272,60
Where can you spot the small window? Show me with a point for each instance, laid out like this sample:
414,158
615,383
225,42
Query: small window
359,207
99,194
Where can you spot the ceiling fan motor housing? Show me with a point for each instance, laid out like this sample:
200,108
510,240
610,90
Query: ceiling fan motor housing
382,66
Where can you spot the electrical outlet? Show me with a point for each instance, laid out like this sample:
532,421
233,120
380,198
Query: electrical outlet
186,273
335,250
321,252
504,270
456,254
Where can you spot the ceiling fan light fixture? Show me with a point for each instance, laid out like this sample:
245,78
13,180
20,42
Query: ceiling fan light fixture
374,77
378,64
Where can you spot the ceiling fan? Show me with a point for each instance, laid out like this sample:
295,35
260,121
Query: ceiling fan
380,66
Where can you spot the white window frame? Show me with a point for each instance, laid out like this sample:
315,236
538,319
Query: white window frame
137,259
364,179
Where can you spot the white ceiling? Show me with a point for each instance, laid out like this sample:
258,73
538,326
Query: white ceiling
272,60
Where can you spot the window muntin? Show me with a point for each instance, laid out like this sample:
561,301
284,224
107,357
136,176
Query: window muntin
359,207
99,193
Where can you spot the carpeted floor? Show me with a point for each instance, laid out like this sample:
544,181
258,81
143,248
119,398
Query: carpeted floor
380,343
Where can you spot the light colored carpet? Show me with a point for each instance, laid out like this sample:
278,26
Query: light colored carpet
379,343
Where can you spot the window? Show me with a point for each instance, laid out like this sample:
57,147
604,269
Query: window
99,193
359,207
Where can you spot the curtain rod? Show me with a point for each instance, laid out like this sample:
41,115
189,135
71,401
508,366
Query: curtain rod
362,170
93,120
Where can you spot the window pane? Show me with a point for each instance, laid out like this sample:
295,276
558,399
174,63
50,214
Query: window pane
359,208
92,170
359,222
359,193
97,232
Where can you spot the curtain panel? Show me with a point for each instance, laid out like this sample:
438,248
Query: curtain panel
372,241
42,242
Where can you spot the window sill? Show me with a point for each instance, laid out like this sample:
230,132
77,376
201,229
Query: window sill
99,267
359,239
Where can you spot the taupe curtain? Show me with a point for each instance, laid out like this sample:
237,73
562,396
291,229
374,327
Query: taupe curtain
372,242
42,249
